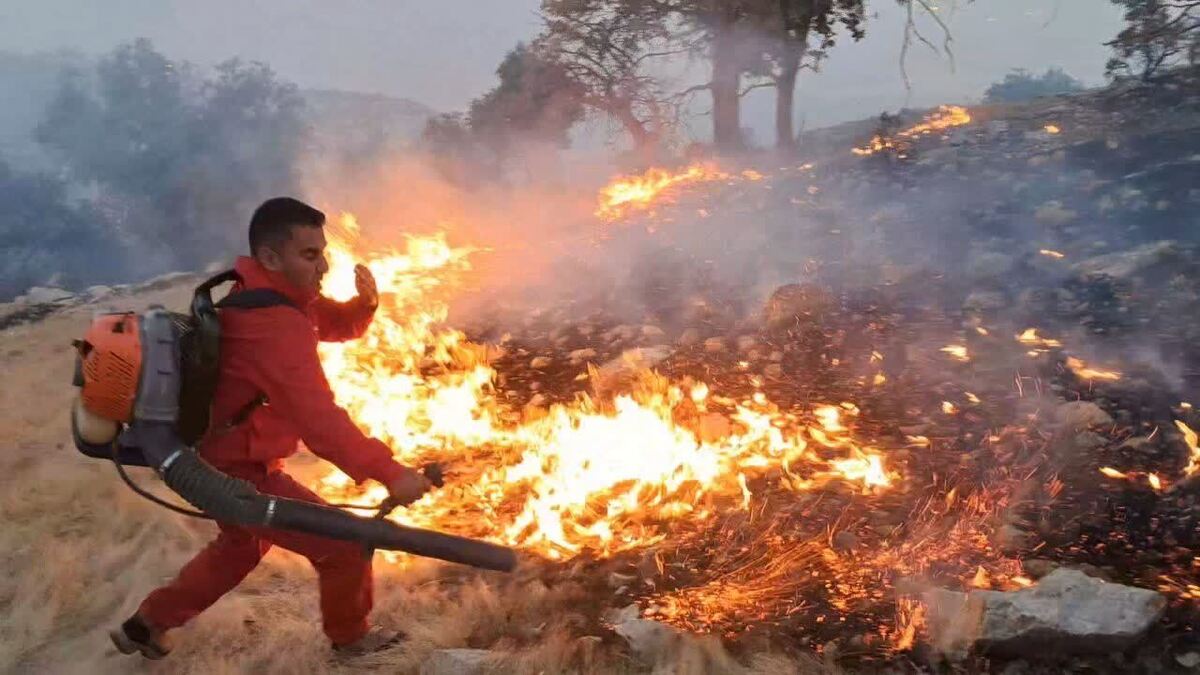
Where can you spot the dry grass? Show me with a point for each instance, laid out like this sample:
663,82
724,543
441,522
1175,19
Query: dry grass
80,552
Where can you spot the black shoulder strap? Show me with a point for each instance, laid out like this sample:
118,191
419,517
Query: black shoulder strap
256,298
251,298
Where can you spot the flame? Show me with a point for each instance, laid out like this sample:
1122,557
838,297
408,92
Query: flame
1189,437
1031,337
946,117
1049,253
1082,370
627,194
602,476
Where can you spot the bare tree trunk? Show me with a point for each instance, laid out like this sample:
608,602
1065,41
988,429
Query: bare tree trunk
785,102
726,79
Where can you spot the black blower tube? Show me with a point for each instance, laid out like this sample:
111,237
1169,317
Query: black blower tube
232,500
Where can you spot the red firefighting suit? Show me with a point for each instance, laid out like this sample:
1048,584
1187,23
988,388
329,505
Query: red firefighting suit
273,351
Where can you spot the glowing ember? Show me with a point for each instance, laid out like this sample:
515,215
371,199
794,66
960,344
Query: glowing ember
1155,481
1112,473
957,352
1031,337
1052,254
627,194
1052,129
947,116
599,475
1082,370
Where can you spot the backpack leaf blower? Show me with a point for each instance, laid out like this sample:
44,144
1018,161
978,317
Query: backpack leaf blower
145,384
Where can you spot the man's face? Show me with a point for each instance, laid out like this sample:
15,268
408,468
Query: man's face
300,259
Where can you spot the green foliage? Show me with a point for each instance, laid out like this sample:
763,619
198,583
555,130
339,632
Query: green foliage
1022,85
190,157
536,99
1157,34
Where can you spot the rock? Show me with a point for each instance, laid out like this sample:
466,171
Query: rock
652,332
1067,613
746,342
845,541
1188,659
164,281
43,295
648,640
620,373
1053,214
714,344
1038,567
1140,444
99,292
582,355
1080,415
990,265
539,362
459,662
985,301
773,370
689,337
623,333
797,302
1159,257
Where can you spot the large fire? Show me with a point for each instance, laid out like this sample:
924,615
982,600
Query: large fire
674,468
600,475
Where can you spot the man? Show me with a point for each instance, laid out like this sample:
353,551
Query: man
272,352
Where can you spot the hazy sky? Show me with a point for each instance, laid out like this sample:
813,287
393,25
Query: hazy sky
443,52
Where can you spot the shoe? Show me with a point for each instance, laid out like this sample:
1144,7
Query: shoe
377,639
135,635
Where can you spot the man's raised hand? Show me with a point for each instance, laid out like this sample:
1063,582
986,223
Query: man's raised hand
364,282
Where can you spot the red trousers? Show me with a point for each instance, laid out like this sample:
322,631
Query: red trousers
343,568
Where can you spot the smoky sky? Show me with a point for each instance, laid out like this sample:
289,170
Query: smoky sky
443,53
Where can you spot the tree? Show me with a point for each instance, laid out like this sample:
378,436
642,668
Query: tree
1157,33
793,26
1021,85
609,54
536,99
187,156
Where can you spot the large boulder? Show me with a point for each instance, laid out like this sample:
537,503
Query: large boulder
1067,613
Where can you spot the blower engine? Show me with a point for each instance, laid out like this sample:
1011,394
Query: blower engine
133,370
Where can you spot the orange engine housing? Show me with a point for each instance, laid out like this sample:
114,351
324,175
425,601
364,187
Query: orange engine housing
111,355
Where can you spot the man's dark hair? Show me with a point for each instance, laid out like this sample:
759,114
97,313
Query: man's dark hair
272,222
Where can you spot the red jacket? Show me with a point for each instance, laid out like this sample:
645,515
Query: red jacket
273,351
